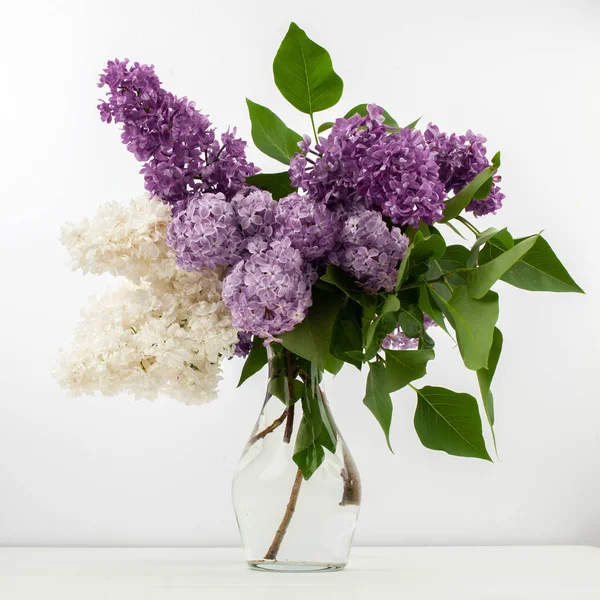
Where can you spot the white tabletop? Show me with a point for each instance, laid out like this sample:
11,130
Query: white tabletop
502,573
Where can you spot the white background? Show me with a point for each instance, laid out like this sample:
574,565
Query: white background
113,471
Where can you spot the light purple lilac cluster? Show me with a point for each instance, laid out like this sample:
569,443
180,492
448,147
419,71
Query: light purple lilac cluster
270,292
397,340
361,184
369,251
177,144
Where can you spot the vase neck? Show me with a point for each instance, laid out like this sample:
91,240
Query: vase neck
292,377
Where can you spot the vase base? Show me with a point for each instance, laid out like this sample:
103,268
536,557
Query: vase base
293,567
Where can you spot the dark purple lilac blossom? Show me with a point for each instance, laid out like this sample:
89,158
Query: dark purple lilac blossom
311,227
206,234
460,158
364,163
243,345
176,142
369,251
397,340
269,293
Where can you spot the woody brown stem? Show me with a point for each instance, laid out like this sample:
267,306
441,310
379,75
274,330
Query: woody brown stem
274,425
352,492
352,486
289,425
287,517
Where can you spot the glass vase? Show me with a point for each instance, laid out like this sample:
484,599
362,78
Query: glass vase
296,490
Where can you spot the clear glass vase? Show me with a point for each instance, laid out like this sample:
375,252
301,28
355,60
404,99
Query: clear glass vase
296,490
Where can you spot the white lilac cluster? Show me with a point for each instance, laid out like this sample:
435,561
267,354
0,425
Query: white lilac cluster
123,239
163,330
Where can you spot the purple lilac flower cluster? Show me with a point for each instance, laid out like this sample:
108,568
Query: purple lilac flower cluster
361,184
363,163
270,291
397,340
176,143
369,251
460,158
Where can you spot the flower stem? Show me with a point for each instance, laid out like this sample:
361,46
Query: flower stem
289,425
272,427
287,517
468,225
440,279
312,122
352,485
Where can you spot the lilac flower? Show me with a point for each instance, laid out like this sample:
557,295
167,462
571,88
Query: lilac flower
397,340
243,345
255,211
206,234
460,158
363,162
269,292
369,251
311,227
175,141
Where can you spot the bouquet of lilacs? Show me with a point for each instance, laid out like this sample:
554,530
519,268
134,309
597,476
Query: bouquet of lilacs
338,259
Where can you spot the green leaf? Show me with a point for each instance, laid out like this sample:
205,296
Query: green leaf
308,455
390,305
449,421
483,277
474,321
280,388
316,431
482,238
338,277
402,269
255,361
485,376
455,257
325,126
333,364
271,135
484,191
384,326
495,162
410,320
377,398
311,338
346,340
414,123
539,270
429,307
304,73
362,110
404,366
457,203
425,248
277,183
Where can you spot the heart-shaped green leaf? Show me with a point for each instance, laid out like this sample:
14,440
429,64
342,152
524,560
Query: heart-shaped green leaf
277,183
449,421
304,73
271,135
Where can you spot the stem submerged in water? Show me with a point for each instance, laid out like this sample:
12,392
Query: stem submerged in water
287,517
